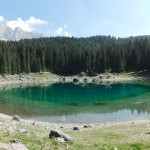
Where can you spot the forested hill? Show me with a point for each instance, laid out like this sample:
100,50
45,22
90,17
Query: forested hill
63,55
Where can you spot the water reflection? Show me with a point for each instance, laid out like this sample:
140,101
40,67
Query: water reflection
68,102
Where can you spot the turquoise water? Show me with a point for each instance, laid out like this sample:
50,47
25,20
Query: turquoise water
69,102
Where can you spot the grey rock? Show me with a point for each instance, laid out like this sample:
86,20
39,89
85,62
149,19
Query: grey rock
33,123
59,134
15,141
15,118
76,128
87,126
85,80
100,77
64,79
76,80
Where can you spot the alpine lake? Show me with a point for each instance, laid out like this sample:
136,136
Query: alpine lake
78,102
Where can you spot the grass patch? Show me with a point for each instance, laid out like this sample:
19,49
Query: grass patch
42,75
119,137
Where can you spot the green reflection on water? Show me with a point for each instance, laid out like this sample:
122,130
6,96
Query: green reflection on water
68,99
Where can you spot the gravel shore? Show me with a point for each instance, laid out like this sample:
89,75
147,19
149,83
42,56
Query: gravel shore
46,78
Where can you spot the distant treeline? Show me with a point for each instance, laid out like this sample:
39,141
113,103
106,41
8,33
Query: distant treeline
64,55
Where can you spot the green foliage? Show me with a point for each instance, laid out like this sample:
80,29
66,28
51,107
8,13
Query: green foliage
63,55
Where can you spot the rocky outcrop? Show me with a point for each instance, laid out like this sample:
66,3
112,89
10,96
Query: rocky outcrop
6,33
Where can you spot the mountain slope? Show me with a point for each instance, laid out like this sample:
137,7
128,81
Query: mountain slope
6,33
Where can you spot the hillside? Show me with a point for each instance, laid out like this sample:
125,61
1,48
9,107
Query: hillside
64,55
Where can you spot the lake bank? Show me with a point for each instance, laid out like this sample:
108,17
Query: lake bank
120,135
37,78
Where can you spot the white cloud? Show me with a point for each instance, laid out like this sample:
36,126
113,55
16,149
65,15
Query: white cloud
20,23
26,25
62,31
32,24
36,21
2,18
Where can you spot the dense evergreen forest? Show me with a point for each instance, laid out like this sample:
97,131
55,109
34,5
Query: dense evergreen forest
64,55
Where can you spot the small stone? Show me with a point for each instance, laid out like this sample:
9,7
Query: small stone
15,118
87,126
33,123
75,128
15,141
22,130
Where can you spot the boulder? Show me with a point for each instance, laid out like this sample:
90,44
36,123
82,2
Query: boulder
75,128
108,76
100,77
59,134
63,79
76,80
21,76
15,118
85,80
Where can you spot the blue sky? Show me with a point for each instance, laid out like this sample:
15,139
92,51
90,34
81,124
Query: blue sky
120,18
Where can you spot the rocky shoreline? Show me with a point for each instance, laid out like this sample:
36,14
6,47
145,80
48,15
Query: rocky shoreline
81,78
